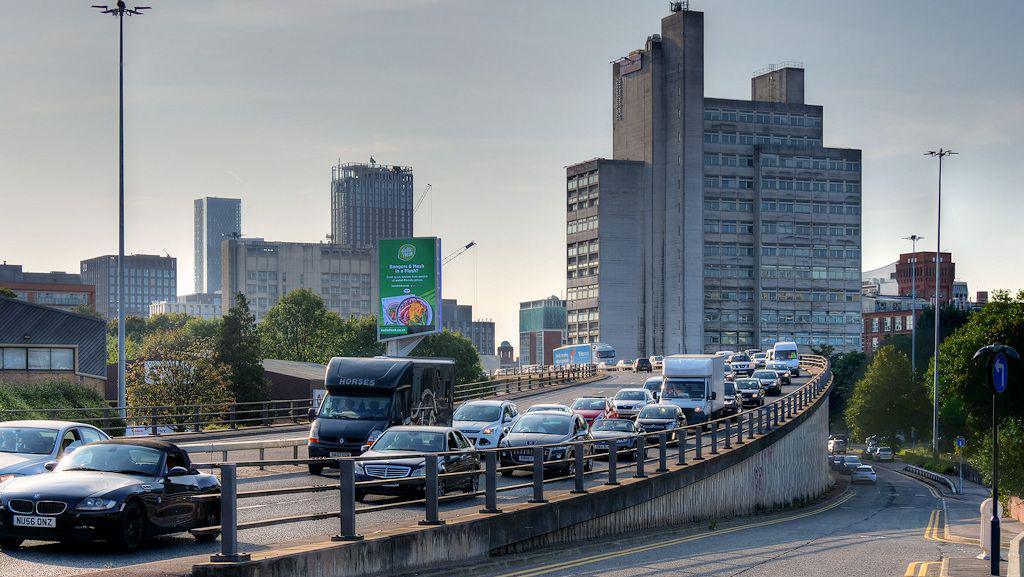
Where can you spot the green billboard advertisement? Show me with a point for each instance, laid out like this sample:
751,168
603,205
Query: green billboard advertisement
410,287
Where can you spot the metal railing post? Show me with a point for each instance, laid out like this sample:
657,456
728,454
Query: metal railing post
714,438
347,501
641,456
430,491
613,461
728,434
491,483
579,463
291,411
228,517
739,429
263,457
538,476
663,452
760,420
698,448
232,416
681,445
152,421
195,421
775,415
750,426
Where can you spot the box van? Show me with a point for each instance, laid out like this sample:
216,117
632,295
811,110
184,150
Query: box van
787,352
696,383
365,396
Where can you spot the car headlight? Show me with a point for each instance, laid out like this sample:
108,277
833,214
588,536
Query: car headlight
374,435
96,504
557,454
7,477
488,431
503,443
670,426
419,471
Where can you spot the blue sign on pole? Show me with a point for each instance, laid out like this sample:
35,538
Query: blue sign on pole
1000,373
960,442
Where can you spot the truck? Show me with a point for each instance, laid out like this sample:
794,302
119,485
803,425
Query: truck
366,396
583,354
696,383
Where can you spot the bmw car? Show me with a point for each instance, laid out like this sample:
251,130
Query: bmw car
26,446
122,491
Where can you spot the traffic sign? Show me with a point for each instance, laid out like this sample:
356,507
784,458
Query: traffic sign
1000,373
961,442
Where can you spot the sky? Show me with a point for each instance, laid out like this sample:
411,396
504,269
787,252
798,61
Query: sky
488,102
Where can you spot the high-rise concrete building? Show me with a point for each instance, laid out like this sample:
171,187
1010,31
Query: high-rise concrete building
56,289
216,219
370,202
264,271
718,223
459,319
147,278
541,330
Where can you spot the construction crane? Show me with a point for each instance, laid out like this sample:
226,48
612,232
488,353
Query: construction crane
458,253
419,200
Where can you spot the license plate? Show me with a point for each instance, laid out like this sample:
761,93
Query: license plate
525,458
601,445
339,454
27,521
390,485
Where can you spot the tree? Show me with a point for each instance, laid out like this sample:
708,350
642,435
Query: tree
451,345
299,328
88,311
238,347
823,350
357,337
1011,458
201,328
887,402
951,319
847,369
6,292
181,371
132,349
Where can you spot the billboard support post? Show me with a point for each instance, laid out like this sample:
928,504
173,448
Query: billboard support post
409,297
402,347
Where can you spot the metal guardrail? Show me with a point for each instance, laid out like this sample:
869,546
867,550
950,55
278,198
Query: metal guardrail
571,457
197,418
919,472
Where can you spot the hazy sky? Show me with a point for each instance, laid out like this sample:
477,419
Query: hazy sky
488,101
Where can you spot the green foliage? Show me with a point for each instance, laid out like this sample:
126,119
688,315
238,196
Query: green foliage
824,350
922,457
6,292
299,328
451,345
201,328
238,347
951,319
357,337
28,398
887,402
185,373
847,369
1011,457
132,349
88,311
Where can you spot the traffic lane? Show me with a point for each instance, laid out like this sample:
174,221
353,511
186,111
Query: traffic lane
878,531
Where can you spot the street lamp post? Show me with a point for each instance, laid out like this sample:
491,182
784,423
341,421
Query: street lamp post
940,153
913,305
120,11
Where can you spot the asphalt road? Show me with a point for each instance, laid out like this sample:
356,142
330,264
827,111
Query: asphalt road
43,559
875,530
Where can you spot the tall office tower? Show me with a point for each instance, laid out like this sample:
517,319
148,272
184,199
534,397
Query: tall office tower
147,278
742,229
216,219
370,202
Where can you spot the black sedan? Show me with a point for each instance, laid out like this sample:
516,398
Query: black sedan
123,491
405,465
546,428
620,433
661,417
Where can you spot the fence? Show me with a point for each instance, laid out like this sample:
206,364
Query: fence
163,419
925,473
573,460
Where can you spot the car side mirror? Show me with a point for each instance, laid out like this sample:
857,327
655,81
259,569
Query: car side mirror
311,414
50,465
364,448
177,472
505,430
714,395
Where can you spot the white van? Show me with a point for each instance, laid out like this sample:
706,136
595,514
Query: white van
787,352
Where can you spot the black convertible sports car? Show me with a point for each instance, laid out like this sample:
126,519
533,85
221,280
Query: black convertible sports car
121,490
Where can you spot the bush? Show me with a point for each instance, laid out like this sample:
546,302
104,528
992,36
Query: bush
29,400
923,458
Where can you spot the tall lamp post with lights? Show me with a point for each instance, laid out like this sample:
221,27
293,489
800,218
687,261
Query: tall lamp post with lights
940,154
119,11
913,305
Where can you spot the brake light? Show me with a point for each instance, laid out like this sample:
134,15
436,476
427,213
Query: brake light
314,440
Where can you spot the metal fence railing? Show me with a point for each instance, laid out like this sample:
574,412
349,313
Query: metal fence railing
570,460
197,418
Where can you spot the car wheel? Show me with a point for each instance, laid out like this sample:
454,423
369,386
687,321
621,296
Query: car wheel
473,485
570,468
316,469
441,489
360,495
588,464
132,529
10,543
210,519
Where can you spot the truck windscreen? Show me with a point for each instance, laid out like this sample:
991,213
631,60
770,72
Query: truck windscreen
356,407
683,389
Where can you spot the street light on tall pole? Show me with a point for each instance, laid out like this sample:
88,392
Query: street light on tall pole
119,11
913,305
940,154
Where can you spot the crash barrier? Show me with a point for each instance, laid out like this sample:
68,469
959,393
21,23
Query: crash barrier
926,474
650,453
169,419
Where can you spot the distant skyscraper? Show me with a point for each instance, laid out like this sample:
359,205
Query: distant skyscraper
370,202
148,278
215,220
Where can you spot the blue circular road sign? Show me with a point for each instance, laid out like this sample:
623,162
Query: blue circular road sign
960,442
1000,373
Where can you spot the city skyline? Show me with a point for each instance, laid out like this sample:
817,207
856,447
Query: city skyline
266,128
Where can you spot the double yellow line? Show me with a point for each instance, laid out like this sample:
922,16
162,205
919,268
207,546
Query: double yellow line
931,531
846,496
920,568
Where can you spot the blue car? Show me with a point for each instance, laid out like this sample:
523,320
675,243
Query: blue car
26,446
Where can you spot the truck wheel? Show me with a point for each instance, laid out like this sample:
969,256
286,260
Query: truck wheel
10,543
316,469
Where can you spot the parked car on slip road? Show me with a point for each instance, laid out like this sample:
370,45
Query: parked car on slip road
26,446
883,454
403,446
120,490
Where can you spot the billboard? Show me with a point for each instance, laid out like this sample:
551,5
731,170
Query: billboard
410,287
573,355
